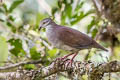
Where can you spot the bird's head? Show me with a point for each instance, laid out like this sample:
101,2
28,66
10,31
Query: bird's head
45,22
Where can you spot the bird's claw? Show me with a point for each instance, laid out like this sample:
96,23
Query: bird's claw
63,61
69,63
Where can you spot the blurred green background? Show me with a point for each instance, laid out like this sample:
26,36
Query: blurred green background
21,41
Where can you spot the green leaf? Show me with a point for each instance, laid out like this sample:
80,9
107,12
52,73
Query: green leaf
63,17
78,18
29,66
1,20
59,3
81,16
5,8
1,10
11,18
15,4
93,22
79,6
94,32
52,52
92,25
9,24
3,50
34,54
68,10
54,10
17,44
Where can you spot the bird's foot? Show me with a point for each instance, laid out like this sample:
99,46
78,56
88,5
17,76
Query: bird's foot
64,58
66,61
69,63
61,61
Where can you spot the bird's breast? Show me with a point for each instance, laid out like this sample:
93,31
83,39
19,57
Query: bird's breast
53,39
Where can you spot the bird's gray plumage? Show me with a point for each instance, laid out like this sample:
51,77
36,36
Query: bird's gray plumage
67,38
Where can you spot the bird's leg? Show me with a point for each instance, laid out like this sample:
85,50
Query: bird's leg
67,56
71,60
64,57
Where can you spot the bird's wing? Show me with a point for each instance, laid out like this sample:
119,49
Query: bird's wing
74,38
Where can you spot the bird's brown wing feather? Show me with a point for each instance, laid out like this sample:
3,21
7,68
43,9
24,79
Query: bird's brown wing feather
74,38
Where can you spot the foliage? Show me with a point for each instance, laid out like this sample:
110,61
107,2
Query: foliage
21,40
3,50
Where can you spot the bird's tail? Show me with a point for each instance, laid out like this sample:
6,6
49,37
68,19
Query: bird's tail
100,47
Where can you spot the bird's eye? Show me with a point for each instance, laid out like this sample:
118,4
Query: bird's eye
43,22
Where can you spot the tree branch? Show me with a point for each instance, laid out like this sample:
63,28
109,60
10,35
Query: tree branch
95,72
6,68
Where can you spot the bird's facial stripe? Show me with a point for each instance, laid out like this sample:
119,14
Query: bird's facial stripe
45,22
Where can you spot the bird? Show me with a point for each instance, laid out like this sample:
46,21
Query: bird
67,38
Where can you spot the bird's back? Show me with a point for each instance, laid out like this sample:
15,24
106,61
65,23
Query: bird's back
74,38
68,38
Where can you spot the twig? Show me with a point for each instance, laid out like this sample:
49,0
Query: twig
19,64
97,5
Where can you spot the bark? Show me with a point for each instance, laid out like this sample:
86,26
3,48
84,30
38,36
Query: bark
95,72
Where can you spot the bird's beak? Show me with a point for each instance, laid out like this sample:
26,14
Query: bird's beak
40,27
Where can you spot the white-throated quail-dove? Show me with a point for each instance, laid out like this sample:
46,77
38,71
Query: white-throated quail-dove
67,38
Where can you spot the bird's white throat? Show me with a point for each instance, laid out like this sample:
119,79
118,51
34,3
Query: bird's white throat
49,26
49,29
